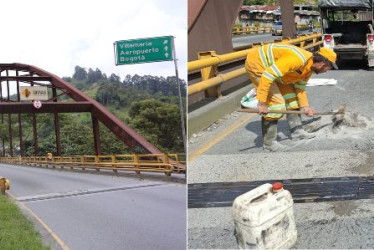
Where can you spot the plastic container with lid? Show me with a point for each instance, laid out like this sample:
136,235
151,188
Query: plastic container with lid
264,218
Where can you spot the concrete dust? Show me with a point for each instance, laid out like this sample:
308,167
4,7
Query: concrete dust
353,126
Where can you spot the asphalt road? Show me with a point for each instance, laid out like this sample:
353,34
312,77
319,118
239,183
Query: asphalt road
90,211
348,151
246,39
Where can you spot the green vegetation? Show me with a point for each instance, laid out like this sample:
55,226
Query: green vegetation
148,118
16,232
148,104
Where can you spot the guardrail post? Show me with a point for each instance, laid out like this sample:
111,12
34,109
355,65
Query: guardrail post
210,72
136,165
97,160
82,163
166,161
238,29
114,161
248,30
315,40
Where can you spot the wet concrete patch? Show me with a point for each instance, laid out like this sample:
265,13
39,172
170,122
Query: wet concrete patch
366,167
344,208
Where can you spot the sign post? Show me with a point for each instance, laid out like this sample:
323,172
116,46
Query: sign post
149,50
180,100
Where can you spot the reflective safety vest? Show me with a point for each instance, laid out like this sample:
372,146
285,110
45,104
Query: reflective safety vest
281,63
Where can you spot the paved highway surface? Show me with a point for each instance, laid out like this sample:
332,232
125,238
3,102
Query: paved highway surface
237,156
246,39
91,211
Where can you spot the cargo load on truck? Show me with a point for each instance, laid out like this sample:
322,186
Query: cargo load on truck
339,4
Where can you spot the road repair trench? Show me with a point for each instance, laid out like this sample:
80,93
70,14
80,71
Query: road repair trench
222,194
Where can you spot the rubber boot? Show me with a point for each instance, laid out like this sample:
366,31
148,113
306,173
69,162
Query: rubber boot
297,131
269,135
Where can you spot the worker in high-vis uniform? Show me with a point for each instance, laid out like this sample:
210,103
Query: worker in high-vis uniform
280,73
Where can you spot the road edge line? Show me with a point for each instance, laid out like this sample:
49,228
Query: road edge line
59,241
215,140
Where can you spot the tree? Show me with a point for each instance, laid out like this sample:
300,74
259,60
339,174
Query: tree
159,123
114,78
94,76
80,73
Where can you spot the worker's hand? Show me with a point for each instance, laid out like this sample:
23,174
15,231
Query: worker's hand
262,108
310,111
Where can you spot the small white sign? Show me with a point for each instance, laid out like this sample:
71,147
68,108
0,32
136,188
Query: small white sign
33,93
37,104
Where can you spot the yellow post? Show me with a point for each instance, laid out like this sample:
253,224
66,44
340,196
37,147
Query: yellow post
248,30
238,30
166,161
114,161
208,73
136,165
97,160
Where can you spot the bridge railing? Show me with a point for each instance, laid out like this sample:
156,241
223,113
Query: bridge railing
166,163
248,30
251,30
211,79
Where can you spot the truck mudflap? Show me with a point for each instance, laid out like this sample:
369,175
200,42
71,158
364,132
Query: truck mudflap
351,52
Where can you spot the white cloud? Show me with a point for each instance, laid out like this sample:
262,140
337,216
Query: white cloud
58,35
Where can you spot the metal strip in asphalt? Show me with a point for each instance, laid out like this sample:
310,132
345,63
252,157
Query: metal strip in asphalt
80,193
210,143
222,194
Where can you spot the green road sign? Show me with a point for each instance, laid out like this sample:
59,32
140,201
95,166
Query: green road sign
144,50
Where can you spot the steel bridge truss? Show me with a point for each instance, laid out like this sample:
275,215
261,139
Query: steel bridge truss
17,73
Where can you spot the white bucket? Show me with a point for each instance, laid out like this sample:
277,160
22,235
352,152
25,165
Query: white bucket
265,219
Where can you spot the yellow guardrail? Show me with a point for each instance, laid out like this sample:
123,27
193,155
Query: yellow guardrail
4,184
251,30
239,30
208,62
166,163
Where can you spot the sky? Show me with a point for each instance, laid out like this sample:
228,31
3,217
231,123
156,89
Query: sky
58,35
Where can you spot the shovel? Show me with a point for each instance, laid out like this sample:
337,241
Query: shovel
337,116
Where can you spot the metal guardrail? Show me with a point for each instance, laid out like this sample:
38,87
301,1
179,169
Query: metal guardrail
4,184
208,62
265,29
252,30
166,163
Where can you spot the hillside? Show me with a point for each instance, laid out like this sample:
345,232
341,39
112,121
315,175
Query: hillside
148,104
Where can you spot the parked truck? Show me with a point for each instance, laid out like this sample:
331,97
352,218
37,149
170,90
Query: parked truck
347,28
